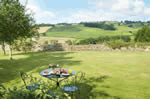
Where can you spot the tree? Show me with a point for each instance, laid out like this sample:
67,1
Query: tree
143,35
130,25
2,37
16,23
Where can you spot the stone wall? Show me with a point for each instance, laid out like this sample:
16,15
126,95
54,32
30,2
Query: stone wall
101,47
97,47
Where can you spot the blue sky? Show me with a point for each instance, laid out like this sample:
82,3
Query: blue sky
57,11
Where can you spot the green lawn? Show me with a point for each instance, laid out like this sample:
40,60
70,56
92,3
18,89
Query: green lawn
81,32
111,74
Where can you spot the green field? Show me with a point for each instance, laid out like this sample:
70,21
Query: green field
81,32
111,74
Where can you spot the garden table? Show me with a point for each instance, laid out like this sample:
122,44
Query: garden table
55,77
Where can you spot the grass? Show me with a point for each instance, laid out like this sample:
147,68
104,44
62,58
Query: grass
125,75
81,32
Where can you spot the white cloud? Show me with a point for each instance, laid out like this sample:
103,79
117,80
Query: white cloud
116,10
96,16
39,14
124,7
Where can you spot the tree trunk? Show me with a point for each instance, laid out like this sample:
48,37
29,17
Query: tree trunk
3,48
31,43
10,52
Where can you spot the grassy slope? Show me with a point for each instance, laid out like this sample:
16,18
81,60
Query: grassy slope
128,73
81,32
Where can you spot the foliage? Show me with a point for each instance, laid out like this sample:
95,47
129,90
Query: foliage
64,24
72,42
130,32
44,34
15,23
130,22
43,25
102,39
88,41
101,25
143,35
109,27
65,28
54,41
142,44
69,42
46,42
117,44
130,25
23,45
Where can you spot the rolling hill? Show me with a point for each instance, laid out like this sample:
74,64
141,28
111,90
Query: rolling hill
81,32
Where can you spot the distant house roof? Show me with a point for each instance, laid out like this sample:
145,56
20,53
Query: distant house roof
43,29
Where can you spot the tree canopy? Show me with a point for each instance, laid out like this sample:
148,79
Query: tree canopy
15,23
143,35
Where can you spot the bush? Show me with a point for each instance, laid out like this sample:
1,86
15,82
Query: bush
109,27
54,41
126,38
117,44
46,42
130,25
143,35
130,32
101,25
69,42
102,39
44,34
88,41
24,45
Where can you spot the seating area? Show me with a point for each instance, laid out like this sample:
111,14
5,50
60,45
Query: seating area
70,86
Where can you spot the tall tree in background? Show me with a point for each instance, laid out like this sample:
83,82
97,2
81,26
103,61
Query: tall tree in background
2,36
16,23
143,35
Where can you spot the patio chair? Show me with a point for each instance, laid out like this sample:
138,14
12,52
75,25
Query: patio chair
73,86
29,81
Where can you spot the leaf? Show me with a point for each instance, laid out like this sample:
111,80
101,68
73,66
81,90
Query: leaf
37,94
49,96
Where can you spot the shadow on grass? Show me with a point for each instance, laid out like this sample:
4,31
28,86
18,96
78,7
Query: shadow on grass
10,69
87,89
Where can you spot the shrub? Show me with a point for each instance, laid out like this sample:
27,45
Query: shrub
117,44
44,34
54,41
130,25
143,35
126,38
130,32
101,25
24,45
88,41
102,39
69,42
46,42
109,27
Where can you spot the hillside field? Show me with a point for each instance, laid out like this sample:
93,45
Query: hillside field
81,32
